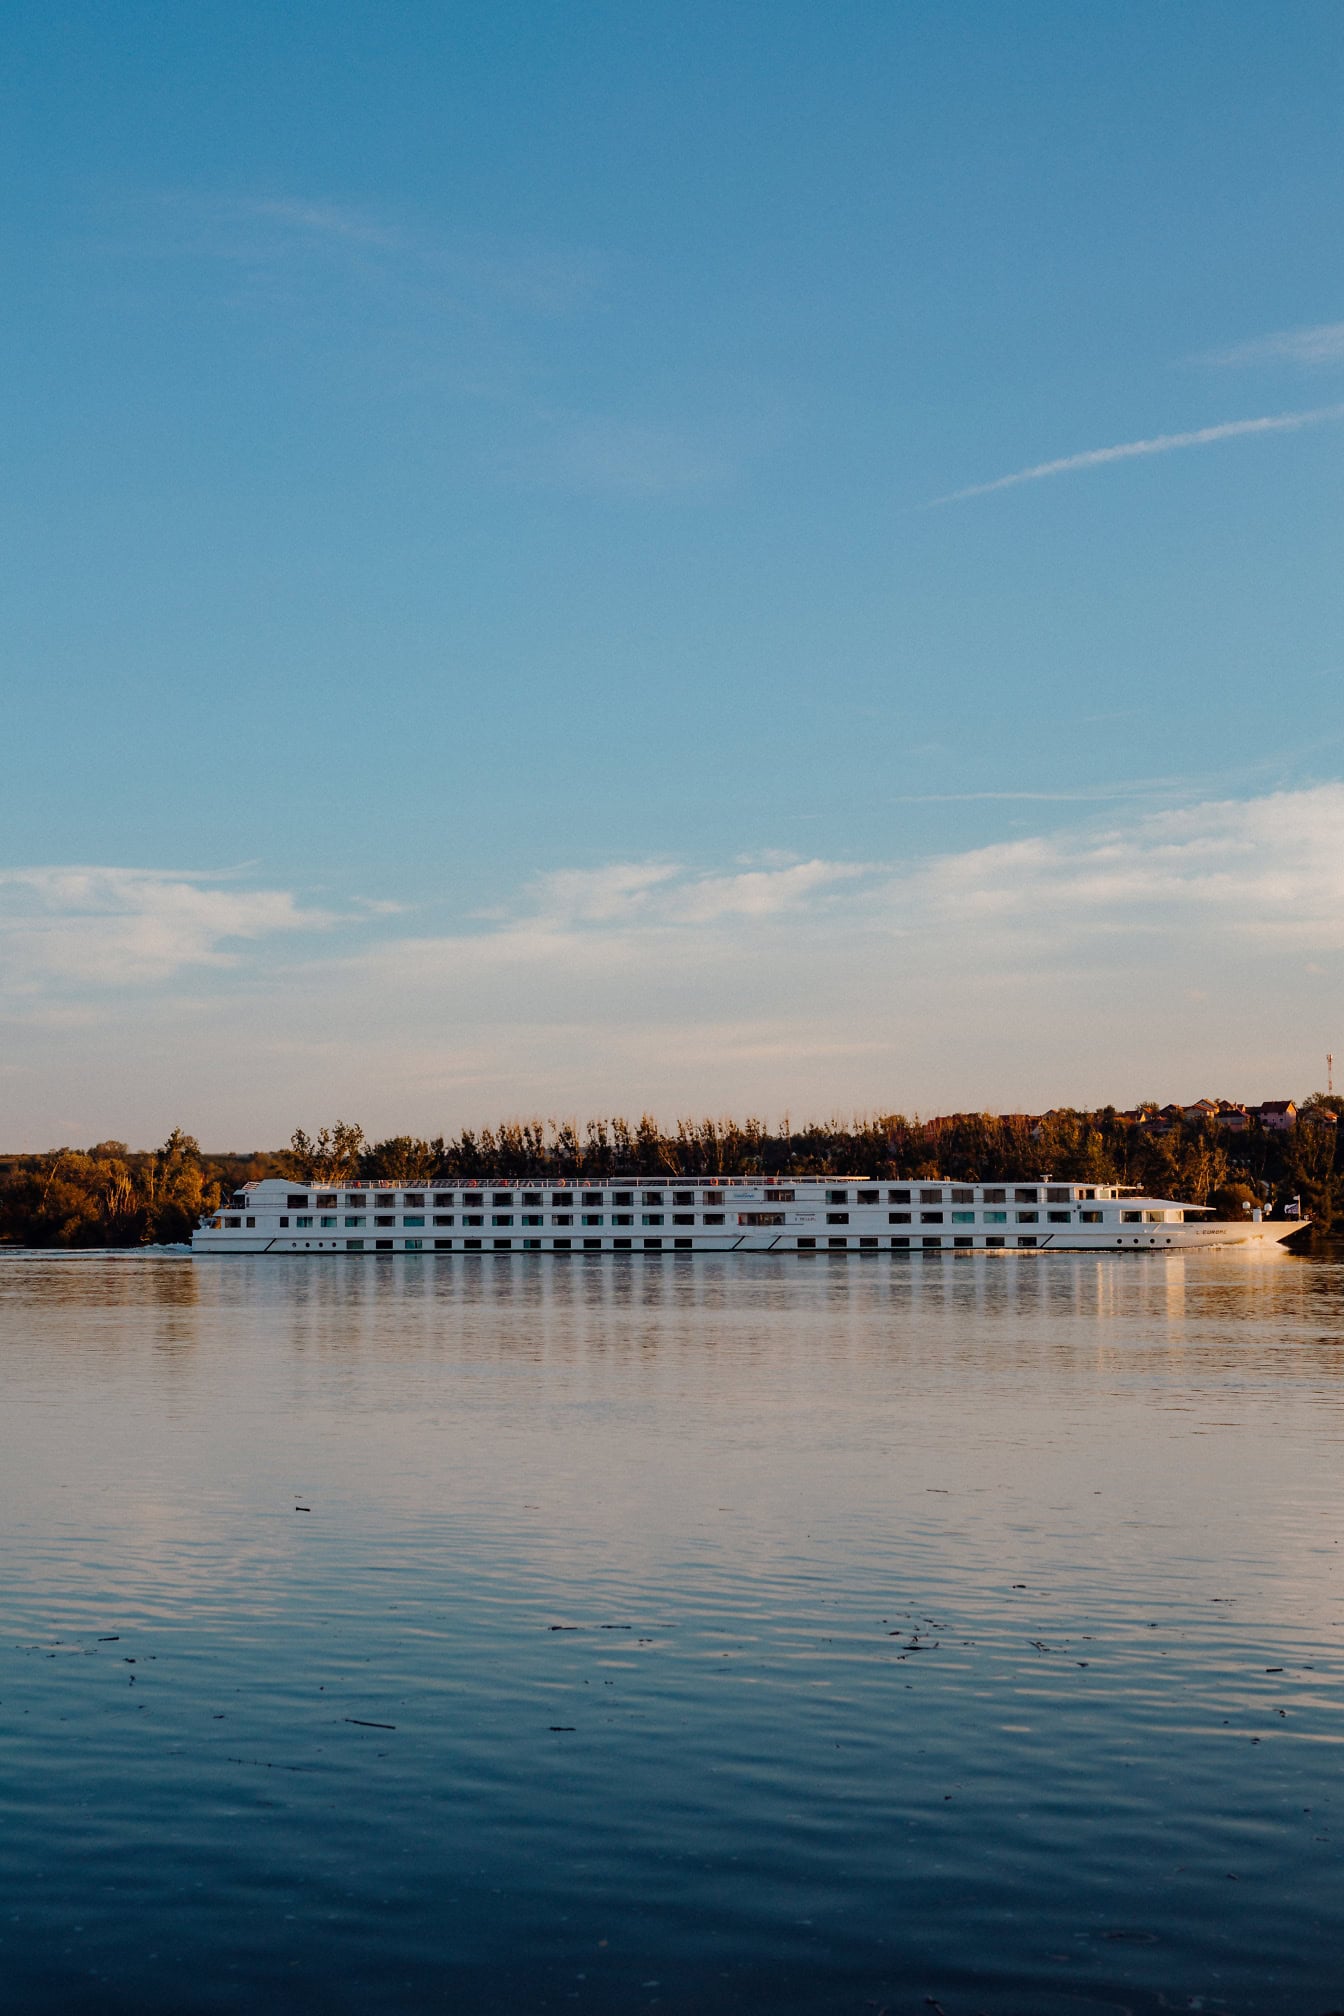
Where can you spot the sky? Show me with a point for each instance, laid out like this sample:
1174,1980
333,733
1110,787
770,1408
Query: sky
775,559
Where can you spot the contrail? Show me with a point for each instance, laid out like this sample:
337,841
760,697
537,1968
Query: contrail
1160,444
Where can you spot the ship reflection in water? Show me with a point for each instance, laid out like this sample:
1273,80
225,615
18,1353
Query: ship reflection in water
700,1635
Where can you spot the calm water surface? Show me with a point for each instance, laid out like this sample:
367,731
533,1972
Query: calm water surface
693,1635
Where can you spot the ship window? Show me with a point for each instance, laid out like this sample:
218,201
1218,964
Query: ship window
712,1197
1029,1239
385,1218
867,1242
930,1196
650,1244
995,1240
713,1217
652,1197
898,1196
353,1221
326,1203
502,1197
444,1218
297,1203
531,1217
284,1224
232,1224
472,1245
354,1245
777,1197
1027,1217
622,1218
1131,1217
1090,1217
962,1217
837,1242
592,1196
806,1245
622,1196
502,1245
473,1218
900,1242
442,1198
963,1196
651,1218
837,1196
302,1224
1057,1197
994,1196
443,1245
592,1245
837,1217
415,1201
383,1245
934,1241
418,1219
413,1245
865,1196
683,1217
996,1217
531,1245
683,1196
562,1245
326,1223
768,1218
1026,1196
501,1217
898,1217
590,1217
1060,1217
686,1245
930,1217
532,1197
562,1198
562,1218
963,1241
622,1245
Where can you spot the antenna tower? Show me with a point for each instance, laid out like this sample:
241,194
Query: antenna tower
1330,1073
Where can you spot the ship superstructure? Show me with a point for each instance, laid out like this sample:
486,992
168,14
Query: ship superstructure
654,1215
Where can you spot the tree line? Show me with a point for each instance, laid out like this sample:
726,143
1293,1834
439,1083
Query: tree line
111,1195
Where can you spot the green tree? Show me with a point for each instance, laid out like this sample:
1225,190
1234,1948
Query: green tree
330,1156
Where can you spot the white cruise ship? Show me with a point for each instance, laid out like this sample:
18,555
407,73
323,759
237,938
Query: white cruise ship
803,1215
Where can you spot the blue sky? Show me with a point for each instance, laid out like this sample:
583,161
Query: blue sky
470,501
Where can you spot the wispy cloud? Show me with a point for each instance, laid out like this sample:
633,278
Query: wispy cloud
1067,965
1322,344
1157,444
131,927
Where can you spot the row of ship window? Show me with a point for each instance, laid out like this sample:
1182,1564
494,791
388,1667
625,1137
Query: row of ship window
414,1220
568,1199
627,1245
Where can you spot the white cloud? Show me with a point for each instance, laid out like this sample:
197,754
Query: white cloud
1157,444
1200,947
130,927
1322,344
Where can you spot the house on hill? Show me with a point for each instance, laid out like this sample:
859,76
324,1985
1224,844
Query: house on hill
1278,1115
